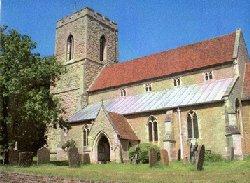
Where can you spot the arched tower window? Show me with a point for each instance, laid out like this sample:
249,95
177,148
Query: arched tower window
192,125
85,136
70,47
123,92
152,129
102,48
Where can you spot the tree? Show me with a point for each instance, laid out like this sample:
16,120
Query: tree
27,106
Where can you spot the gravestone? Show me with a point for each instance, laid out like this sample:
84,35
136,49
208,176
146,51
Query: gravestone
201,156
164,157
232,153
179,155
13,157
152,157
86,158
25,158
73,157
43,156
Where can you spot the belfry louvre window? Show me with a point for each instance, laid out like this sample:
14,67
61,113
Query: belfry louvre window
123,92
177,81
152,129
102,48
192,125
148,87
70,47
85,136
208,75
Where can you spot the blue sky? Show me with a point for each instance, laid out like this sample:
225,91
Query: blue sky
145,27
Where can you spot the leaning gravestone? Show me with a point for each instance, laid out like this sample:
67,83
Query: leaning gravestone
232,154
73,157
25,158
43,156
152,157
86,158
13,157
164,157
201,156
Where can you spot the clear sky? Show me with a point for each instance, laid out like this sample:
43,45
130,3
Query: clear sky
145,26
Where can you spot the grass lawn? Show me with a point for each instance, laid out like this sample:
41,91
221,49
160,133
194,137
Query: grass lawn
235,171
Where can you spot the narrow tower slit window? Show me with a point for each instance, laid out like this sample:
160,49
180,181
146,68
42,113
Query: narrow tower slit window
102,48
152,129
70,47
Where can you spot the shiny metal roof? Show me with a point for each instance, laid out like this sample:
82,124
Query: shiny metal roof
180,96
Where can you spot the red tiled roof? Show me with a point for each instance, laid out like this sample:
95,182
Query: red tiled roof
122,126
207,53
246,87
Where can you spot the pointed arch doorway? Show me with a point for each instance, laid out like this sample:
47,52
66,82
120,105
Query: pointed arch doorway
103,149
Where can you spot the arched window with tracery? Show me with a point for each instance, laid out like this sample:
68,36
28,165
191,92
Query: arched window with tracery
152,129
192,125
85,136
123,92
102,48
70,47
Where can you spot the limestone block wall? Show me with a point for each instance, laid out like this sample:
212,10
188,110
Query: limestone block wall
211,122
220,72
246,125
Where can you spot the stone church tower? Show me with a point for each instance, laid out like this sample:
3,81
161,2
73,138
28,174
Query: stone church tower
86,41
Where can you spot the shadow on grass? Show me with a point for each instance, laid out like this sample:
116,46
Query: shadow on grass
59,163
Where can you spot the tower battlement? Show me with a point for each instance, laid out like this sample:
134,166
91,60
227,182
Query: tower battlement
86,12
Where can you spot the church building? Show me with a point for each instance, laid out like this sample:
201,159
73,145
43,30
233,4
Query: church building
193,94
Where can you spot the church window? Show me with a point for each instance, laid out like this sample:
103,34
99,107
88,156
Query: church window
70,47
177,81
102,48
152,129
85,136
123,92
148,87
192,125
208,75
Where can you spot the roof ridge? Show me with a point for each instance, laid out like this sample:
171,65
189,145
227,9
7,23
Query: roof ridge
172,49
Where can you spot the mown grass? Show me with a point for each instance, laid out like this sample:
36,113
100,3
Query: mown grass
224,171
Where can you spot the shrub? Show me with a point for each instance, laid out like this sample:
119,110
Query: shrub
68,144
142,151
212,157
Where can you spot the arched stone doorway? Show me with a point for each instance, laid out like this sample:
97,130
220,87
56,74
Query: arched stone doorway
103,149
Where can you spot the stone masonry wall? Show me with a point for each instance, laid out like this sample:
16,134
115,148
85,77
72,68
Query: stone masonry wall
246,125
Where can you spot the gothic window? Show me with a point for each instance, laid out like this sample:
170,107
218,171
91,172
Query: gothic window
152,129
102,48
123,92
177,81
148,87
208,76
85,136
70,47
192,125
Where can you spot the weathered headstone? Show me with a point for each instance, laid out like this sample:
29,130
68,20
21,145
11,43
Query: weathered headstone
201,156
152,157
179,155
25,158
73,157
232,153
85,158
13,157
164,157
43,156
185,160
